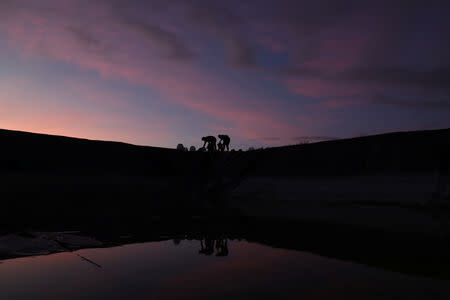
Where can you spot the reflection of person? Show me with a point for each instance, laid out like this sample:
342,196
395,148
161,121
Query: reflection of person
225,140
207,247
222,247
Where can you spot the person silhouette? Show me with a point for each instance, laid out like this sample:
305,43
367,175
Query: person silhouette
225,140
221,146
211,141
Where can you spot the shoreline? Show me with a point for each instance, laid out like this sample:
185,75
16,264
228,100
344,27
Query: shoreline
414,254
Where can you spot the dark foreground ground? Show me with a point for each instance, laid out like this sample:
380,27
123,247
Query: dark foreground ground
110,190
44,176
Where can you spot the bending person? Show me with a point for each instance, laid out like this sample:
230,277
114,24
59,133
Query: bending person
225,139
211,141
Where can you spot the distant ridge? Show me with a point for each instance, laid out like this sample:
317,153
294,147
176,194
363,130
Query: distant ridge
25,151
24,134
417,133
410,151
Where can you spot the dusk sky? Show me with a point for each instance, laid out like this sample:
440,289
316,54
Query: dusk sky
163,72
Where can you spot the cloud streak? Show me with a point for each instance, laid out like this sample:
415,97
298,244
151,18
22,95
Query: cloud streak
170,42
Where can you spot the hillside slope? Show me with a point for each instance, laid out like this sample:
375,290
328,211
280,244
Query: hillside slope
22,151
415,151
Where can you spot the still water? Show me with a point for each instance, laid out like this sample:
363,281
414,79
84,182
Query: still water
192,269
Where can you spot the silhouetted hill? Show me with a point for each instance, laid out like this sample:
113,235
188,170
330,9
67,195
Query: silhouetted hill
47,179
51,180
23,151
415,151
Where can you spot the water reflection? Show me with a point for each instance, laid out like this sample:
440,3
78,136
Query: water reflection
173,269
210,245
207,246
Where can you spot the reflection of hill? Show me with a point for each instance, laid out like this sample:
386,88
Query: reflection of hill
410,254
413,254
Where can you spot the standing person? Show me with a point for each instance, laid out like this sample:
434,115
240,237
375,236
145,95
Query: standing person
225,139
211,141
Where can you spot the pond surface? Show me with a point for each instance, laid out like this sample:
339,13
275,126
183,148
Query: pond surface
207,269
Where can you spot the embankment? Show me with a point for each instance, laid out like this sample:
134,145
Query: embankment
396,182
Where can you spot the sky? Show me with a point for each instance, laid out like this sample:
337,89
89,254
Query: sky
267,73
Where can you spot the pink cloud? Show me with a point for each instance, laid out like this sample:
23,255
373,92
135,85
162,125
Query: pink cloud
331,54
